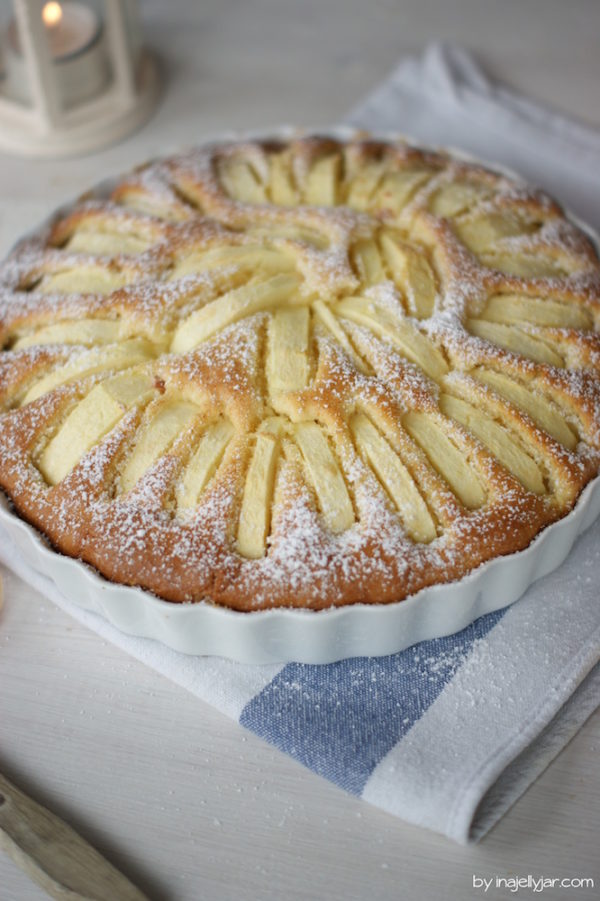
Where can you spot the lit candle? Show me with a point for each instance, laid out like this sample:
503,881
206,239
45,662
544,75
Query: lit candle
76,43
69,30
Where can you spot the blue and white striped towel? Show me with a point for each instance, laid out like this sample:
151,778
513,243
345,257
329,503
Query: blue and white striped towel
449,733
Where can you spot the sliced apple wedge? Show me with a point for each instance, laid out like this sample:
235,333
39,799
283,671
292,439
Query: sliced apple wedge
283,189
395,478
88,279
367,261
74,331
412,273
326,317
241,182
497,439
287,356
543,413
255,514
101,243
481,231
397,188
456,198
90,420
363,185
325,475
203,464
413,344
233,306
446,458
515,340
245,256
322,182
509,308
100,359
170,419
527,265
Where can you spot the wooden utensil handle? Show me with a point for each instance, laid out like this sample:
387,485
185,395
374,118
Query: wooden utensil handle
54,855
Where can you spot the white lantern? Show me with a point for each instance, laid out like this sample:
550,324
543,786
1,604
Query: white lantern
74,76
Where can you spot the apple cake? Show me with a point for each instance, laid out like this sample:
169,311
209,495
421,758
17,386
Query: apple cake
301,373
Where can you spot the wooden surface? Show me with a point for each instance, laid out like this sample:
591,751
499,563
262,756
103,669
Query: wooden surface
184,801
56,857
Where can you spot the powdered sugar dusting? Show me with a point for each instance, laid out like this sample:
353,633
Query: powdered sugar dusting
181,210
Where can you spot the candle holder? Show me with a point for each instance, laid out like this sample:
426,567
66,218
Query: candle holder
74,76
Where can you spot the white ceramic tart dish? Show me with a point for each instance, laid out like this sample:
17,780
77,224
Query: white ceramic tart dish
302,397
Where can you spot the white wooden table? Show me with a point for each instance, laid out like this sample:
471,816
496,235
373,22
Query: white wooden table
182,799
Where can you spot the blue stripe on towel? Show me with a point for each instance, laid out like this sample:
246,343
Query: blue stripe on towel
340,720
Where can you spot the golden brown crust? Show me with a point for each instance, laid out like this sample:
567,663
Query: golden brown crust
307,373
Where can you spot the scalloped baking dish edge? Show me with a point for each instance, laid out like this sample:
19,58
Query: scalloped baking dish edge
306,636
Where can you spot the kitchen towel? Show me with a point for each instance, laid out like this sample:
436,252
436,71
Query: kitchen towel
444,98
449,733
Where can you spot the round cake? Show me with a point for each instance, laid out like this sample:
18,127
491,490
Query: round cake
300,373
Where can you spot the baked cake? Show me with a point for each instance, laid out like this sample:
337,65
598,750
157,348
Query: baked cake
304,373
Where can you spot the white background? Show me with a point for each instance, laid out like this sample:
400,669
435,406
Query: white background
182,799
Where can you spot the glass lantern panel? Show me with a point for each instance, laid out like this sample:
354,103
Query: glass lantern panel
72,34
15,78
79,51
134,30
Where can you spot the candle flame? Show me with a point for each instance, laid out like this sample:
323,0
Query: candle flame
52,14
